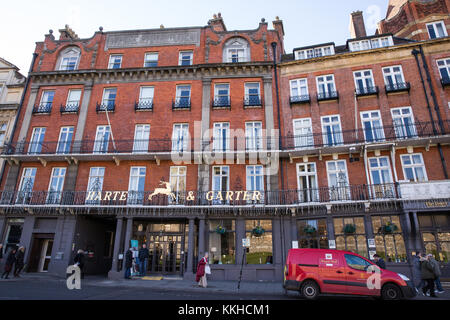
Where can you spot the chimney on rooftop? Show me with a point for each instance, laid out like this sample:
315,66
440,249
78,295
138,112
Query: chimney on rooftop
217,23
357,27
67,33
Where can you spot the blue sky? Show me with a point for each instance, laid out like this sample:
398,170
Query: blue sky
25,22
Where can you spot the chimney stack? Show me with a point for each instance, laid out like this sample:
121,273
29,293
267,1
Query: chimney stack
357,27
217,23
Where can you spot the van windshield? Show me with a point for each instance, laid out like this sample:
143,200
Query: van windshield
356,262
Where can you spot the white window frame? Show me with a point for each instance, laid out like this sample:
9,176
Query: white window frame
191,58
365,79
101,145
252,178
37,140
24,195
444,64
58,176
152,61
400,128
141,138
95,174
337,136
72,102
413,166
218,87
252,85
3,132
368,44
343,191
64,143
221,136
106,97
253,136
434,25
224,172
180,137
71,54
393,74
112,61
45,101
301,86
137,175
314,52
303,133
146,101
377,131
384,189
311,192
323,81
175,179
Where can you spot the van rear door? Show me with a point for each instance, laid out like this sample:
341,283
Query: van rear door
332,272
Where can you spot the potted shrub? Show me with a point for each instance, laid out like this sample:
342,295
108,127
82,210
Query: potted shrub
349,228
309,229
389,227
221,230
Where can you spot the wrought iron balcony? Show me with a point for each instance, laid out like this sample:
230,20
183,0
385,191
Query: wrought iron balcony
181,103
445,81
70,108
221,102
252,102
398,87
330,95
43,108
366,91
110,107
300,99
144,105
344,193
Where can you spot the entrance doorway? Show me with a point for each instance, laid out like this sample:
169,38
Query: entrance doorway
41,253
165,254
46,255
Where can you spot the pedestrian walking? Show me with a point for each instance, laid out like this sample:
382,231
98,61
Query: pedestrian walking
9,263
428,275
20,255
203,269
128,263
379,261
437,272
417,272
143,259
79,261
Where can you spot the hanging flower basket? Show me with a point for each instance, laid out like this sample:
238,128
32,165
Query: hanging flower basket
221,230
349,229
388,228
310,229
258,231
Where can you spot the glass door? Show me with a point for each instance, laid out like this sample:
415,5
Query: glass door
46,255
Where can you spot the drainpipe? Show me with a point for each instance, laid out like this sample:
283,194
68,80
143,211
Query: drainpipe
280,145
416,52
16,120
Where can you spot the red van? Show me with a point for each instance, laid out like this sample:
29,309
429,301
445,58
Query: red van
315,271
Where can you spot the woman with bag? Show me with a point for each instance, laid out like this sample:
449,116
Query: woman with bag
203,269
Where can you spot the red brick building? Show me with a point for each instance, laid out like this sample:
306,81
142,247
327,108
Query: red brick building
172,137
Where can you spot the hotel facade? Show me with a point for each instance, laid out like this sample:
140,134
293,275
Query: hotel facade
193,139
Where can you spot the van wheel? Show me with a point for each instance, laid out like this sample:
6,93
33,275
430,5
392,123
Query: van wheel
390,292
309,290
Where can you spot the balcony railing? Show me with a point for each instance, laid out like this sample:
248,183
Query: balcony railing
42,108
398,87
330,95
313,196
70,108
300,99
366,91
110,107
221,102
291,142
144,105
181,103
252,101
445,81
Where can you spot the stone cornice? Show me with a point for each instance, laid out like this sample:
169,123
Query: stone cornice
172,73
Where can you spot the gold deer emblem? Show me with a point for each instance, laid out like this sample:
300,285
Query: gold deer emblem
167,191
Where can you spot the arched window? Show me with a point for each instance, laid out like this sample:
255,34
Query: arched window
69,59
236,50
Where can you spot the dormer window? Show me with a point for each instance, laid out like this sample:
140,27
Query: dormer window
236,50
437,30
69,59
314,52
368,44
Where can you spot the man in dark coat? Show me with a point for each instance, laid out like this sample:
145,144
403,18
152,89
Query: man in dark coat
428,274
79,261
143,258
379,261
9,263
128,263
1,251
20,255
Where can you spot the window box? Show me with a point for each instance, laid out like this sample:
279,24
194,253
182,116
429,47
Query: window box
105,107
330,95
43,108
300,99
366,91
398,87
